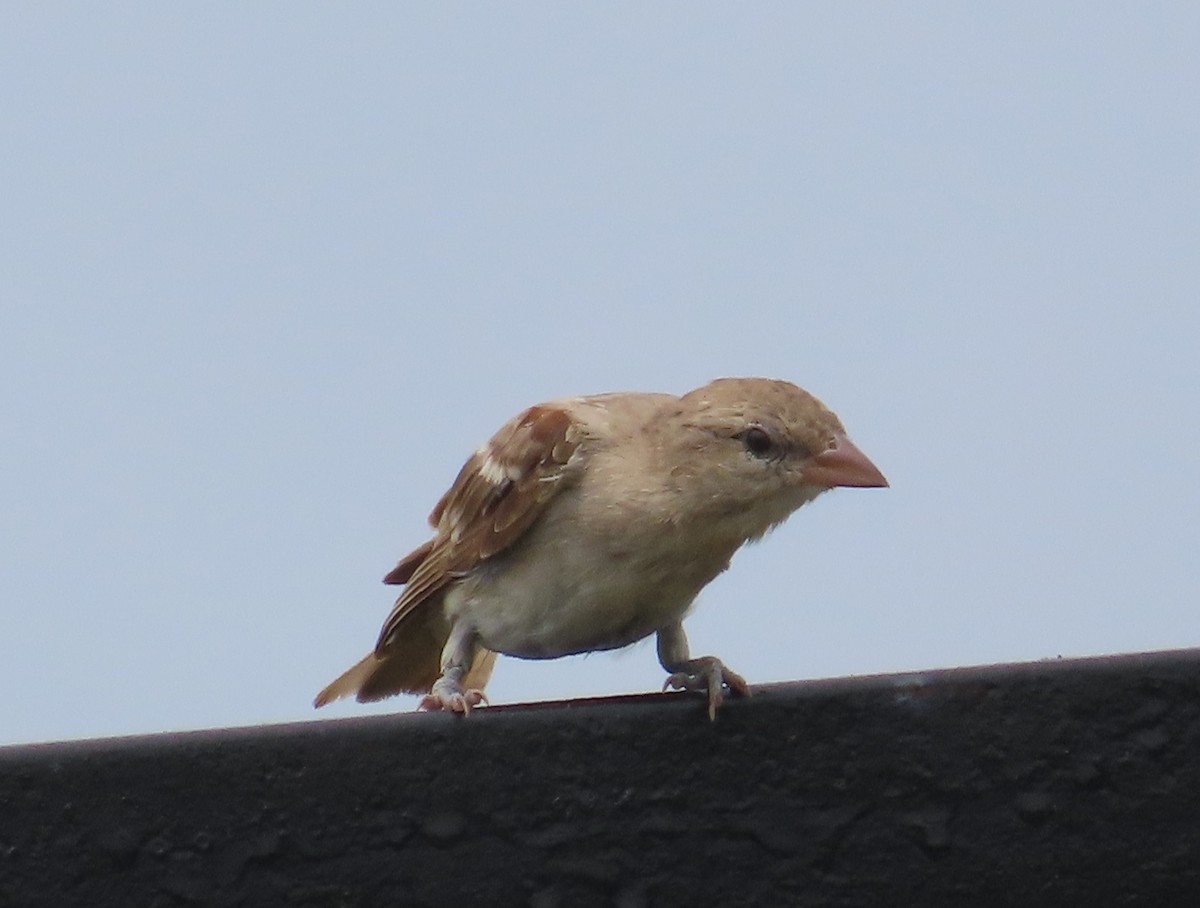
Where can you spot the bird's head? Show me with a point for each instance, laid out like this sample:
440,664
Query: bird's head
755,449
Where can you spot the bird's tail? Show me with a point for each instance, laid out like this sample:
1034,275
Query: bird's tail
410,666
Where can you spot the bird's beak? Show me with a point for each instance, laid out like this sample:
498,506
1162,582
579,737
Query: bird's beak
843,464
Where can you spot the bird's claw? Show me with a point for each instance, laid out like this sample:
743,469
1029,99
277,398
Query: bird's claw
709,674
447,695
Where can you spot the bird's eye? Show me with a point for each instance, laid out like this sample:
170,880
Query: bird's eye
757,441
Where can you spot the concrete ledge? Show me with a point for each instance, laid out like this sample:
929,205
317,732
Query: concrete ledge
1051,783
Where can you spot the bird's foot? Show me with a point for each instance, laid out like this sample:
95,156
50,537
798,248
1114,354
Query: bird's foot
708,673
450,695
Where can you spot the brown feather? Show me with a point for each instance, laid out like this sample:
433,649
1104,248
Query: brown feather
408,564
498,494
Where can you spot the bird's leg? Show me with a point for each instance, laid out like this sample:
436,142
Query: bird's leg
704,673
457,655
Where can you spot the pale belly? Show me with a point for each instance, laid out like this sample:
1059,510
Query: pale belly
542,611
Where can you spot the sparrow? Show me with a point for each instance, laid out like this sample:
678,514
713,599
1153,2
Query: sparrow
589,523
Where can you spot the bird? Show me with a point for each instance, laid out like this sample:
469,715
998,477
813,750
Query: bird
590,523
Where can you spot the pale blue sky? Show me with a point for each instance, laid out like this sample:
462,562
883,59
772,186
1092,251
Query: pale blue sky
269,272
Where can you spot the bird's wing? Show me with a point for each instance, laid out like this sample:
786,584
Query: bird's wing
497,495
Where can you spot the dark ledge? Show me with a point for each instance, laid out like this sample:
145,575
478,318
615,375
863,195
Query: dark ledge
1072,782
